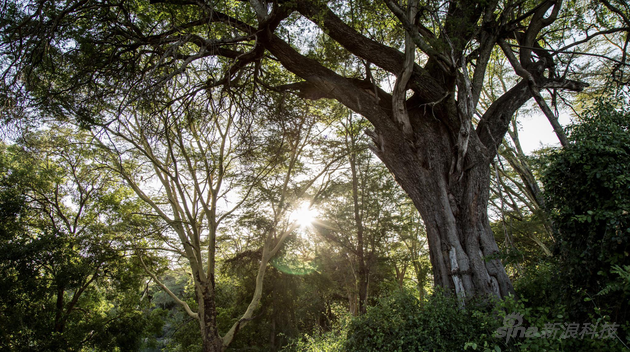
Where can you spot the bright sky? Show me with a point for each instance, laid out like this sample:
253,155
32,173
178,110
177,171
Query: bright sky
536,132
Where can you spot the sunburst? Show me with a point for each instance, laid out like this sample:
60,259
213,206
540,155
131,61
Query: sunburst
304,215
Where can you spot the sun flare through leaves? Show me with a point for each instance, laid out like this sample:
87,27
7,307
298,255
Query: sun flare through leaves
304,215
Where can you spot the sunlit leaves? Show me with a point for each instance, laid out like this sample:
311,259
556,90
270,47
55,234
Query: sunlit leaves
65,249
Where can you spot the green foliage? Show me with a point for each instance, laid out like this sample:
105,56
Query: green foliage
537,317
90,61
66,279
622,284
292,302
402,323
322,341
178,332
587,187
544,300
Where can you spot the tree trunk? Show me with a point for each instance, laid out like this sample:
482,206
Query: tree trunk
211,340
352,304
363,285
358,220
454,207
400,276
274,311
59,320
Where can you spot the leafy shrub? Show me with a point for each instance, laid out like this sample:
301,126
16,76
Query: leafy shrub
587,186
543,304
402,323
322,341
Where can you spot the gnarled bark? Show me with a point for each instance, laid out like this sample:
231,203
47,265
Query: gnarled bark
462,247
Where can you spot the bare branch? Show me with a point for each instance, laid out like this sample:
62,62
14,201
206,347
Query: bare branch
535,90
168,291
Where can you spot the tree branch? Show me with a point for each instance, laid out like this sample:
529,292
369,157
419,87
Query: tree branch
383,56
399,95
535,91
168,291
410,29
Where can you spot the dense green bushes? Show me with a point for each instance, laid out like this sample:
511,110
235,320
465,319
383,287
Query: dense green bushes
587,188
402,323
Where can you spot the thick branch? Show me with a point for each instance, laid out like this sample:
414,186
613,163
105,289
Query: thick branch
331,84
495,121
535,91
383,56
537,23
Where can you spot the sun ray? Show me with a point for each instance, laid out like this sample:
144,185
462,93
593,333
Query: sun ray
304,215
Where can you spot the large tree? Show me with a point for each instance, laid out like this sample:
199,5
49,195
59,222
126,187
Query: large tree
72,57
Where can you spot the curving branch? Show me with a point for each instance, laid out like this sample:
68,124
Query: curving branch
536,24
399,96
389,59
535,92
185,305
411,30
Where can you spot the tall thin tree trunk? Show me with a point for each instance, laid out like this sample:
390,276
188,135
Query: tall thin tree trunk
211,340
59,313
363,270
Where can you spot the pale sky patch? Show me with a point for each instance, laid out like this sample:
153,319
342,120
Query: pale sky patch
535,131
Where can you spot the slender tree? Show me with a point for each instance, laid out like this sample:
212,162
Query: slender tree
193,160
365,216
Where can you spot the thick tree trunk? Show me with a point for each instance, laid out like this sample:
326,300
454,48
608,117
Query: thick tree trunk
454,207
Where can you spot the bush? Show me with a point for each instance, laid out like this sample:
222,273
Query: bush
402,323
322,341
587,186
543,304
587,189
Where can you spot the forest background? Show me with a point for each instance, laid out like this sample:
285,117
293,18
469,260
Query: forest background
313,176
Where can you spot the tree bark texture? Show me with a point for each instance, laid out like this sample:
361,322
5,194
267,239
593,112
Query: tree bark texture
463,251
211,340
